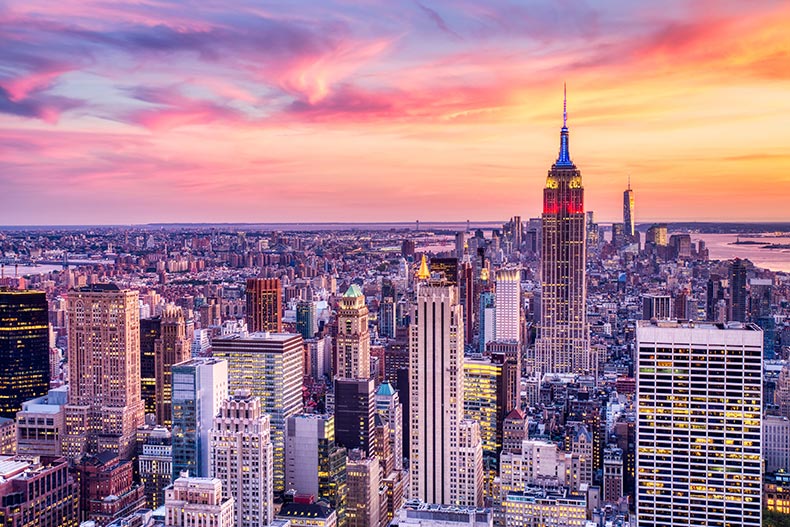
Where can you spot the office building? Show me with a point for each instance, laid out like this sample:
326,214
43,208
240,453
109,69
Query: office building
314,464
155,465
198,502
699,424
353,337
436,398
270,366
738,293
657,307
628,213
612,474
415,513
241,457
776,443
538,506
355,406
105,408
487,320
107,490
507,304
173,346
563,345
306,319
264,304
363,481
200,385
390,409
306,515
487,398
445,269
37,491
150,330
24,348
40,425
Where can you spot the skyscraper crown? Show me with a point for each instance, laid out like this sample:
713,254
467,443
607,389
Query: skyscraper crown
564,158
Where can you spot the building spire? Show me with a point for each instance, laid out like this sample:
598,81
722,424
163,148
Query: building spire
564,159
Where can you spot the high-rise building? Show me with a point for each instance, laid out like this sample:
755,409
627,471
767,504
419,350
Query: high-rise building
24,348
508,305
105,407
564,342
270,365
355,407
173,346
446,269
363,481
306,319
488,399
776,443
155,465
656,235
628,212
241,457
200,385
314,464
37,491
699,456
150,330
264,304
612,474
107,488
657,307
388,406
198,502
738,293
353,337
436,399
487,320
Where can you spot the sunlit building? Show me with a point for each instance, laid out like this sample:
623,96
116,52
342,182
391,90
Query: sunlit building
264,304
174,345
198,502
37,491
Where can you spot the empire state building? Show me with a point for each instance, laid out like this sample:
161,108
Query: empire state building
563,345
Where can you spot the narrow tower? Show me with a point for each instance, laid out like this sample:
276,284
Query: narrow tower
563,345
628,211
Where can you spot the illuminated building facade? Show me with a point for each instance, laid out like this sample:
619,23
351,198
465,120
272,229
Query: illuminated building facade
541,506
200,385
264,304
241,457
40,424
564,342
37,492
270,365
150,330
173,346
699,455
198,502
155,466
363,479
436,400
105,408
353,337
24,348
507,326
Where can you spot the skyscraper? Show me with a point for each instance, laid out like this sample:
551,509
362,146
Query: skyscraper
738,296
507,326
306,321
264,304
270,366
355,407
24,349
353,337
174,345
200,385
437,393
150,331
628,212
241,457
564,343
198,502
105,407
699,456
363,481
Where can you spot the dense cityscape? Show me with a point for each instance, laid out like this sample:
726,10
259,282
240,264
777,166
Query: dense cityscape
547,371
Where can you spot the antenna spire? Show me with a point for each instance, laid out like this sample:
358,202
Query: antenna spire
629,181
564,105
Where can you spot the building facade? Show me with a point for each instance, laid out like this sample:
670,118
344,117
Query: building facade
699,454
264,304
173,346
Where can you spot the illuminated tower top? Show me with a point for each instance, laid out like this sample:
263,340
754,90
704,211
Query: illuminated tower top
564,158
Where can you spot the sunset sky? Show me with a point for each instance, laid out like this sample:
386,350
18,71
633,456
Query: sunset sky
384,110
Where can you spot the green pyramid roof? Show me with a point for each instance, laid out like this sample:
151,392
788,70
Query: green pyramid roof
353,291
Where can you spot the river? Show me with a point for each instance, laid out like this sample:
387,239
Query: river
721,247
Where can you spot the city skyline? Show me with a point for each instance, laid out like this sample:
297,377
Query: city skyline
310,112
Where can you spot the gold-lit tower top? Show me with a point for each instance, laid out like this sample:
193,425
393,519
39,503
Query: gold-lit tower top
424,273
